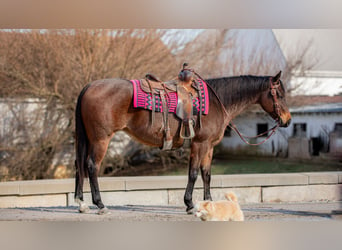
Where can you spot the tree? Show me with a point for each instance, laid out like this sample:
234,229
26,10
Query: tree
53,66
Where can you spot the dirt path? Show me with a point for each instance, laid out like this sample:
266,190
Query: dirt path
253,212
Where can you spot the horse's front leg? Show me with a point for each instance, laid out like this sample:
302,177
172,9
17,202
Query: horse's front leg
192,176
206,173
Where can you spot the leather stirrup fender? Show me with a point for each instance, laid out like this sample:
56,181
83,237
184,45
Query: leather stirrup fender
167,141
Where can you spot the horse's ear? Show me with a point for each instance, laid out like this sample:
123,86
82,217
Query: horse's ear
277,77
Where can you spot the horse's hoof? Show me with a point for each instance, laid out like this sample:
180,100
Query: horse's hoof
83,208
190,210
103,211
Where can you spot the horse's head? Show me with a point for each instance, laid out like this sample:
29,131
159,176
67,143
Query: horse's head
273,101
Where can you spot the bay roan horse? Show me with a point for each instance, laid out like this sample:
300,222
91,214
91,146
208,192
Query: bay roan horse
105,106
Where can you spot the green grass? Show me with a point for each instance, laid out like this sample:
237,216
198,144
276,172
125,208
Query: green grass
250,166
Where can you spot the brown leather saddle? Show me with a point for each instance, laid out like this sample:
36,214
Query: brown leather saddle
186,89
152,84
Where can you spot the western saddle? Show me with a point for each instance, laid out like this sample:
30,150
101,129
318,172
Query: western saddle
187,89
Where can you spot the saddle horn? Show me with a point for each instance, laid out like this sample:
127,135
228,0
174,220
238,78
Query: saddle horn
185,75
185,65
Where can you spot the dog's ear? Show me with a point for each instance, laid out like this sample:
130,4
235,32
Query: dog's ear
208,206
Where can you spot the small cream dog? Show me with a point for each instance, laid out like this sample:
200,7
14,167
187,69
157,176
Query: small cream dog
225,210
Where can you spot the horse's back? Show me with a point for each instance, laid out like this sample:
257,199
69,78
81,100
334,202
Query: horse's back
106,88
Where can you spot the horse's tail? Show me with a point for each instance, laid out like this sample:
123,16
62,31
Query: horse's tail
81,139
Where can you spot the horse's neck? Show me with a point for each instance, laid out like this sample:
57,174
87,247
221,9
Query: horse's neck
237,108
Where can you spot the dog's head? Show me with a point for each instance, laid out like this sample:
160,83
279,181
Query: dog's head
203,209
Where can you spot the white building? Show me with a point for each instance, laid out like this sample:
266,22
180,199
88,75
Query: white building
238,52
315,130
266,51
323,75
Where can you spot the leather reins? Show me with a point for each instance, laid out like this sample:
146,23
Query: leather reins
273,88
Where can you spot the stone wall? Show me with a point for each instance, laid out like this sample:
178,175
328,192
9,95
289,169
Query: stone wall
169,190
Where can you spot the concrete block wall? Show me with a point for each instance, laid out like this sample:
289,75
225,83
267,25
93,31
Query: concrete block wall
169,190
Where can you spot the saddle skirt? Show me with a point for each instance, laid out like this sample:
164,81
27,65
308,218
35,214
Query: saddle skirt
142,97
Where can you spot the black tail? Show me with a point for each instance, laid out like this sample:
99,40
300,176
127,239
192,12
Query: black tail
81,139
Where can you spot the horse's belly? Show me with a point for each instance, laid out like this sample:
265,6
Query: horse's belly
140,127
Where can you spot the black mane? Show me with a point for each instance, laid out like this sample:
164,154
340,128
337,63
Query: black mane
237,89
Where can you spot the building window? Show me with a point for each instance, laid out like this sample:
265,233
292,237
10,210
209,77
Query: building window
338,129
299,130
262,128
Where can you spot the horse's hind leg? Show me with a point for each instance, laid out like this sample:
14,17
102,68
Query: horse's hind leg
83,207
97,153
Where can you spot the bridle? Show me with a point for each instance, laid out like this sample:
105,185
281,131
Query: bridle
274,87
273,90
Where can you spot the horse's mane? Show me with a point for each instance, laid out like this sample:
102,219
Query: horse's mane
237,89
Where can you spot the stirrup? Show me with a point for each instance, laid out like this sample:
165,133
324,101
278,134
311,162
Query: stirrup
190,132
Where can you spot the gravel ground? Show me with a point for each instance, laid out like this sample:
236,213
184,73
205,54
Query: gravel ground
322,211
